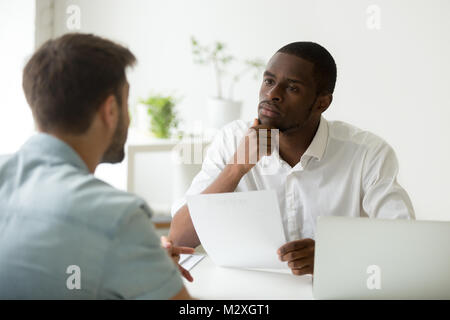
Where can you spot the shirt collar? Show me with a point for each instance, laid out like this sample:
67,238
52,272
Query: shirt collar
317,146
54,150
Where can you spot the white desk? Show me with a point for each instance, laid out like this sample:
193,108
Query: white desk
214,283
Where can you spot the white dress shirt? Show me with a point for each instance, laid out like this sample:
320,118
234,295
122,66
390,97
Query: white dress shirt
344,172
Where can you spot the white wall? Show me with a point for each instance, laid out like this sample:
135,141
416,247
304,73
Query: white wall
17,44
391,81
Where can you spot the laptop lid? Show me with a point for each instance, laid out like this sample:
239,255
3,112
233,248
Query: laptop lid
362,258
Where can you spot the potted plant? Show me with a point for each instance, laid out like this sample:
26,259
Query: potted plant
222,108
157,115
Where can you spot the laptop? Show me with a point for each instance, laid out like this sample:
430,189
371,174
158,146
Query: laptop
362,258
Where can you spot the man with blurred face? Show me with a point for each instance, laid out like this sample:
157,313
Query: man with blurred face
318,167
66,234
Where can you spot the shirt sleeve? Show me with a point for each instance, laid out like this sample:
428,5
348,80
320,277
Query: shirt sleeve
136,266
383,197
215,160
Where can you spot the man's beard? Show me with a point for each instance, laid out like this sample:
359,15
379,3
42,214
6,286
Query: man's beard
302,125
298,126
115,152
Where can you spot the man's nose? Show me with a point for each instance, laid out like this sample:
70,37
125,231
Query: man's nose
274,94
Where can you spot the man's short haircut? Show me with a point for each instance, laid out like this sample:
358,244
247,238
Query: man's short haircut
68,78
324,65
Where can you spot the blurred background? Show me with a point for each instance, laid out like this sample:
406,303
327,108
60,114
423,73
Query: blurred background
393,76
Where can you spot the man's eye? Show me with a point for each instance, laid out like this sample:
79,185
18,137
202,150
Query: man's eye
293,89
268,81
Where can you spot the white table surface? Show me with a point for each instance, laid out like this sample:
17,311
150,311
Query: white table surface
215,283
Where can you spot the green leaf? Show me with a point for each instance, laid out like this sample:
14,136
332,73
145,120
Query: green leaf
162,113
219,46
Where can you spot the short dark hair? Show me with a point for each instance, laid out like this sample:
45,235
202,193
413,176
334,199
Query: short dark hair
67,79
324,65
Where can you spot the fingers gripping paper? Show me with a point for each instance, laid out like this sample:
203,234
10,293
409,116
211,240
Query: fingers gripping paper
239,229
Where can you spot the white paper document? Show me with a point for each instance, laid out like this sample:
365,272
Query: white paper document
239,229
188,261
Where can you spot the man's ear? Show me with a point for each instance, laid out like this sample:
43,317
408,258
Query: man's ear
323,102
108,112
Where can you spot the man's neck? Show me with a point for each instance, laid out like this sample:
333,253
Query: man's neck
83,146
294,144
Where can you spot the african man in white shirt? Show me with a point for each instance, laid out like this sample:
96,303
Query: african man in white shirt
318,168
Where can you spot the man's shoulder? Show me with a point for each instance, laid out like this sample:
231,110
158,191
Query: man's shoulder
4,158
8,162
60,190
64,193
236,127
348,133
95,202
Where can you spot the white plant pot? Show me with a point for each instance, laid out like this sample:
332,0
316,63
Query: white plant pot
221,112
143,119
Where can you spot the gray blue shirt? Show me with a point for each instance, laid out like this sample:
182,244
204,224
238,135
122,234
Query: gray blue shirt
66,235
